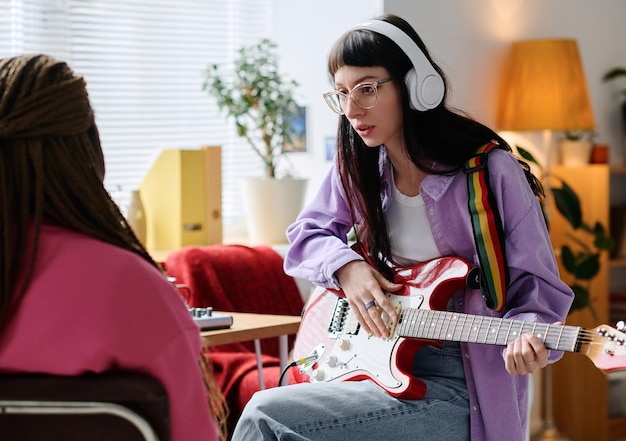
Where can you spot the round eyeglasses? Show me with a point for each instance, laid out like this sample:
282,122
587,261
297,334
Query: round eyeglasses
364,95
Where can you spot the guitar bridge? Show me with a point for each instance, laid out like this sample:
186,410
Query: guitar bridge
342,320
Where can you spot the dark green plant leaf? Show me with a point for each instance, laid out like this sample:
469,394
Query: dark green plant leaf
581,297
604,243
568,260
568,204
587,266
598,229
526,155
614,73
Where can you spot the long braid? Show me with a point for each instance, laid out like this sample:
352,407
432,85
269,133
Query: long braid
50,151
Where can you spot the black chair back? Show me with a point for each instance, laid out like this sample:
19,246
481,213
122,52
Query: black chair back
120,406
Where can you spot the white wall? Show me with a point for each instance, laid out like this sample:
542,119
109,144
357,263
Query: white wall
305,32
469,39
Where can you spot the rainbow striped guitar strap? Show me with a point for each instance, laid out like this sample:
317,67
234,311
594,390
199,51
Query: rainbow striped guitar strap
488,231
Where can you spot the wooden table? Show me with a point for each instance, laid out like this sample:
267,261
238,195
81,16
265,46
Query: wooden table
249,326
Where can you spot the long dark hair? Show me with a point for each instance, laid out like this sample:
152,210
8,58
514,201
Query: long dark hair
51,169
446,136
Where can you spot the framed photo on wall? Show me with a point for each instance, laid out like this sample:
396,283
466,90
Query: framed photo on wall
330,147
297,132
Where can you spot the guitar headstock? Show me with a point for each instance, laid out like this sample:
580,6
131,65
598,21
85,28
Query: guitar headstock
606,347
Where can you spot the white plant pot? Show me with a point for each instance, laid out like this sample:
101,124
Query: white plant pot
575,152
271,205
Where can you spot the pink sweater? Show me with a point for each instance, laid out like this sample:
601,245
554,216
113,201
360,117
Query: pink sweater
93,307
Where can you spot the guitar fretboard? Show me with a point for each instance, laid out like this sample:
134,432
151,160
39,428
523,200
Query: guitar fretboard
454,326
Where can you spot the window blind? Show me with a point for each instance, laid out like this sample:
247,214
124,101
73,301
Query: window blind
143,62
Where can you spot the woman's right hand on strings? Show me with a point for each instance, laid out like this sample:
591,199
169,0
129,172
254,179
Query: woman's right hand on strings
363,285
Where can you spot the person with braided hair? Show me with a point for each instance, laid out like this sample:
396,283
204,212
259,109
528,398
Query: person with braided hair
78,291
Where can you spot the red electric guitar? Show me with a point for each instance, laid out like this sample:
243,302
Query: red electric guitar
332,346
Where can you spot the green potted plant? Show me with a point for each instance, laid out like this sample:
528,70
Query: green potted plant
578,258
261,102
257,98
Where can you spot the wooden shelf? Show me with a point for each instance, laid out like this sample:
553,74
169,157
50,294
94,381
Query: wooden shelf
617,262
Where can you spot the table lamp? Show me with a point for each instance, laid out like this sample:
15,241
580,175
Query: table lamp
544,89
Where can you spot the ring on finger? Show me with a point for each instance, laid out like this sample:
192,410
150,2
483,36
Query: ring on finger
368,305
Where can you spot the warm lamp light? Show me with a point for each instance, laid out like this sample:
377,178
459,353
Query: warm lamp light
544,88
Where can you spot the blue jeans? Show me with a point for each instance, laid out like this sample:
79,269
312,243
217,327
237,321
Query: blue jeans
361,411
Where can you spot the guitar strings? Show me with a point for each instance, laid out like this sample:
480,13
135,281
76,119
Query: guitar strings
446,325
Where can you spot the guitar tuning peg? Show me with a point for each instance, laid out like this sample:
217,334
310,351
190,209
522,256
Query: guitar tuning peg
621,325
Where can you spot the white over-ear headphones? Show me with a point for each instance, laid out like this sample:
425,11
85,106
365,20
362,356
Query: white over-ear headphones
425,85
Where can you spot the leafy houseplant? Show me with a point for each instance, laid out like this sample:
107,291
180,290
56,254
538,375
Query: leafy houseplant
576,146
257,98
261,102
579,259
613,74
577,135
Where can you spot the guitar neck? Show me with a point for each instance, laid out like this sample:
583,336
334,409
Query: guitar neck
454,326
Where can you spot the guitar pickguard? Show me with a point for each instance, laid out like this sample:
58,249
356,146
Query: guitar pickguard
351,354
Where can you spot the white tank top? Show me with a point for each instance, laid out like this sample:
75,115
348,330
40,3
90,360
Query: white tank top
411,238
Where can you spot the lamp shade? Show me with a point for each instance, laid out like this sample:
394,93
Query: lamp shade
544,88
